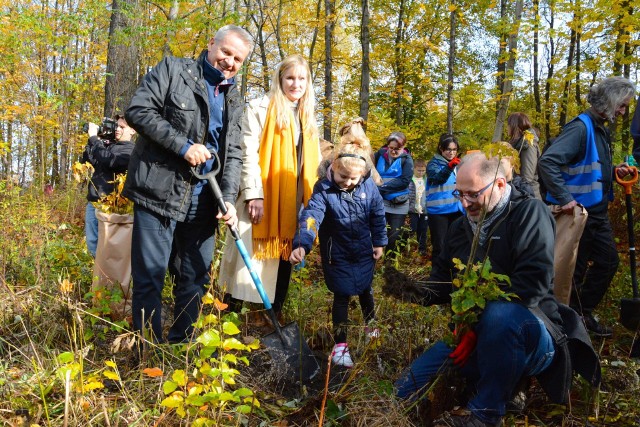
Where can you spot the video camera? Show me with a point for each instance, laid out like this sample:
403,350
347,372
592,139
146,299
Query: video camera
107,130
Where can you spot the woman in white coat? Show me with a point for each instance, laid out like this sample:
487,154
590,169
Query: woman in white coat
281,156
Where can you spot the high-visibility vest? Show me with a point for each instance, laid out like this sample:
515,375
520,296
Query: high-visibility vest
584,178
394,171
440,200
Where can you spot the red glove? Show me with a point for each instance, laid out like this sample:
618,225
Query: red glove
454,162
464,348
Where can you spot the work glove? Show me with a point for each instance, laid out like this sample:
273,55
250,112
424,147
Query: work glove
454,162
464,348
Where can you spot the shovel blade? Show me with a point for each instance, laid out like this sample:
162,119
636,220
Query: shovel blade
630,313
292,354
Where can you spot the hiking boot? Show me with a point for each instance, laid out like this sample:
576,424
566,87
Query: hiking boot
596,328
461,418
340,355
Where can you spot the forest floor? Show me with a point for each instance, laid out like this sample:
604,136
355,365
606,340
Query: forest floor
63,361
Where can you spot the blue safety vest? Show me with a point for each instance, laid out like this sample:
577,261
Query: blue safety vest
584,178
394,171
440,201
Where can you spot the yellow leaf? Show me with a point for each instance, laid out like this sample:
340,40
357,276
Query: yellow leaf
110,363
153,372
112,375
66,286
311,223
452,7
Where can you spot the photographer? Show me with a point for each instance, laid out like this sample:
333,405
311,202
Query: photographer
108,150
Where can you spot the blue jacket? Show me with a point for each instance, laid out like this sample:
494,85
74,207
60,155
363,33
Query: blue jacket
396,174
441,182
350,225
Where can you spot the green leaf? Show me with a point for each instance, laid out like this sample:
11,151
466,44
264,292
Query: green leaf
173,401
169,387
233,344
209,338
65,357
230,328
179,377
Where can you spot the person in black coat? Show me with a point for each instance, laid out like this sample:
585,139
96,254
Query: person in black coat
109,158
510,340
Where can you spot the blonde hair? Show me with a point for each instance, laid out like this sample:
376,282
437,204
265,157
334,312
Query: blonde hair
306,104
351,156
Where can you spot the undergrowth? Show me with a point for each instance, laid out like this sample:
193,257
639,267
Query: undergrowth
64,362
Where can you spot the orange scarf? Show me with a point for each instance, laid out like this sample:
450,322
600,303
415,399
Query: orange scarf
279,166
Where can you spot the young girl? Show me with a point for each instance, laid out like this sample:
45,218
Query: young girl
349,217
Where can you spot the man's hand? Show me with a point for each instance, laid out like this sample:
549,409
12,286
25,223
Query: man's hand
231,217
197,154
454,162
297,255
464,348
568,208
378,251
256,210
623,169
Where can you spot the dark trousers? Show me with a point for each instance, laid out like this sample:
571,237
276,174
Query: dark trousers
282,285
419,225
340,312
590,282
186,249
394,227
438,226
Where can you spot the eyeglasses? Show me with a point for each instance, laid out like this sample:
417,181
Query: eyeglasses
470,197
450,150
394,148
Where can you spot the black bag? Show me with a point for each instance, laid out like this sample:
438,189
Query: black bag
556,379
401,199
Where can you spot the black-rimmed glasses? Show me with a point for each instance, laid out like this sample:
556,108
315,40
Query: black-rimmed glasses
471,197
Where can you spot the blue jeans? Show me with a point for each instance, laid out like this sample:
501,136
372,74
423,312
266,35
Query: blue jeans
512,343
186,249
91,229
419,225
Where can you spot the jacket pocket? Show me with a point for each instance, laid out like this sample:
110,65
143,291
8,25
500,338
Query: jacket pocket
180,111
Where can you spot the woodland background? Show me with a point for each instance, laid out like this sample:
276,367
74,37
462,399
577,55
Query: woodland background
422,66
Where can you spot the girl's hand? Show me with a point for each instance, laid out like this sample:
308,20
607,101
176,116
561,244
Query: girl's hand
297,255
378,251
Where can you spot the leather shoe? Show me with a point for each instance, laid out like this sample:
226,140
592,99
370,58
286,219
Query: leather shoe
596,328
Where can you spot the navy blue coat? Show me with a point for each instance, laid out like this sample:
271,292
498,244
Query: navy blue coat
350,225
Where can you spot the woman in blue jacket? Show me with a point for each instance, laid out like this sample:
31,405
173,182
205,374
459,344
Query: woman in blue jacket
395,166
442,207
348,209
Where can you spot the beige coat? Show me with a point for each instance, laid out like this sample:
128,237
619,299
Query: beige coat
234,275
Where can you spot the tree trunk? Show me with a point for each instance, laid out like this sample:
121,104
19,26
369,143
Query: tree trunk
122,59
399,65
365,75
314,39
564,100
550,73
536,48
503,103
452,56
328,68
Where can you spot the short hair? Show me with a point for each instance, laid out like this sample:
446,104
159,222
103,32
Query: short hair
352,156
397,136
445,140
606,96
488,168
238,31
419,162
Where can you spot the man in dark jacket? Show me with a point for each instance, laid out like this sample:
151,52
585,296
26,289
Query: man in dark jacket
108,158
516,233
183,111
578,169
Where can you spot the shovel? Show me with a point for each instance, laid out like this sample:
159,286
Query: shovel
286,345
630,307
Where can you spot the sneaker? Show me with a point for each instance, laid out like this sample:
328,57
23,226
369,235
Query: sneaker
340,355
370,334
461,418
596,328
